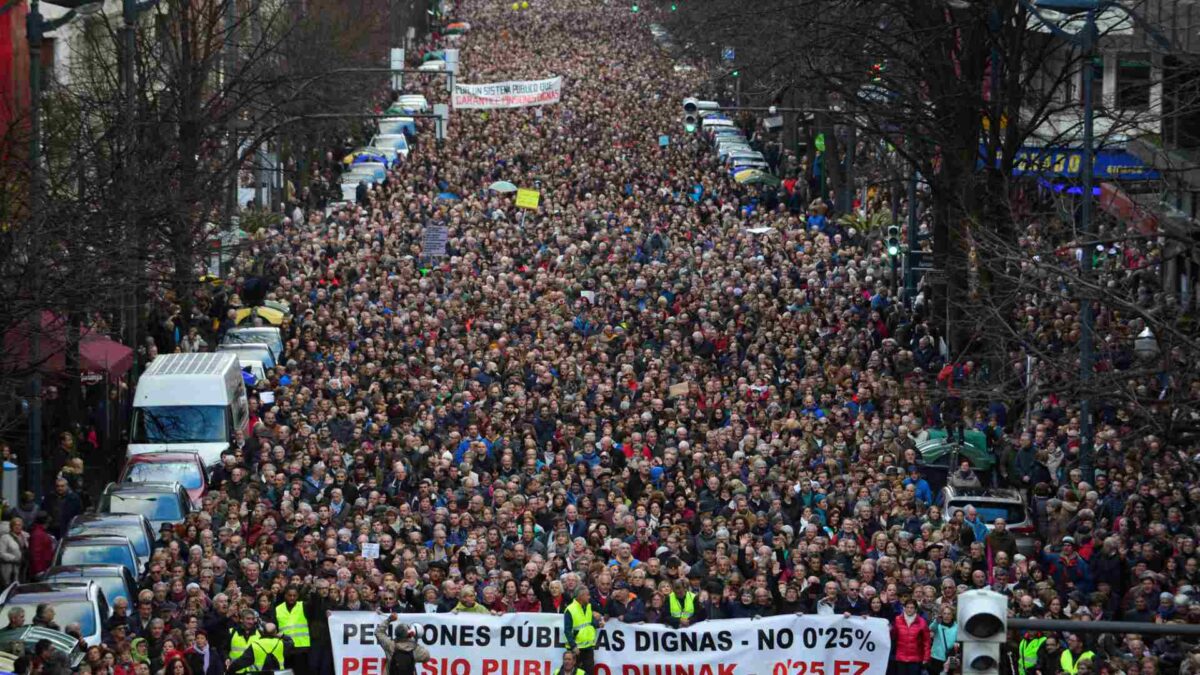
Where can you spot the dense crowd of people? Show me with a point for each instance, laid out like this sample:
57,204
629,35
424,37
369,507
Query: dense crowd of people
628,400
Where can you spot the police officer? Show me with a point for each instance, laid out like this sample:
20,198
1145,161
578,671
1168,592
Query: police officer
581,620
682,606
1073,654
570,665
293,624
264,653
1028,651
240,637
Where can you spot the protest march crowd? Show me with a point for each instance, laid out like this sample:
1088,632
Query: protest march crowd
624,405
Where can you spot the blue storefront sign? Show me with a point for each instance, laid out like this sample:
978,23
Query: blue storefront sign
1050,162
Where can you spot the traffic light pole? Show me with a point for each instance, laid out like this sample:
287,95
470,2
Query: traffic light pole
1121,627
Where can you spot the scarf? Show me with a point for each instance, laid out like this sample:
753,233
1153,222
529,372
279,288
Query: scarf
206,653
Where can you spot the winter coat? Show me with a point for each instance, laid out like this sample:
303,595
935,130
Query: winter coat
11,555
41,550
912,641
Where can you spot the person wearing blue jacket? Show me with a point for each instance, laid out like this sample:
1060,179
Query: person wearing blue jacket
942,635
924,493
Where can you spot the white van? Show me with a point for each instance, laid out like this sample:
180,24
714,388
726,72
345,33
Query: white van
191,403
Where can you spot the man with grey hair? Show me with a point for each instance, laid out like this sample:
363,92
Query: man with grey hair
16,618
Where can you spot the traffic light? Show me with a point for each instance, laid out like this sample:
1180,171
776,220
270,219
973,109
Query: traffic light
735,74
983,628
691,114
674,6
635,8
893,240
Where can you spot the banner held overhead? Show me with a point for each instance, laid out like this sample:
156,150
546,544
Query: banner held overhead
515,94
532,644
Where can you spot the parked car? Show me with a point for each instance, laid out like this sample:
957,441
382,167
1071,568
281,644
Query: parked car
993,503
159,502
115,580
253,351
81,603
31,635
268,335
185,468
98,549
133,526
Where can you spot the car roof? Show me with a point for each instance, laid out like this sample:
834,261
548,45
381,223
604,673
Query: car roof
47,591
100,538
164,457
148,487
85,571
990,494
102,520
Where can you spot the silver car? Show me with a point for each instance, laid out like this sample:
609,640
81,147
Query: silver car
993,503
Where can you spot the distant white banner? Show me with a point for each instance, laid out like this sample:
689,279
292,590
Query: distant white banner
507,94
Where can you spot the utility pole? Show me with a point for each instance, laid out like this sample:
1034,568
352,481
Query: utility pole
36,28
231,60
1086,317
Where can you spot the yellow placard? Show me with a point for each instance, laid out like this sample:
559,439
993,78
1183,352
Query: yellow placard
528,199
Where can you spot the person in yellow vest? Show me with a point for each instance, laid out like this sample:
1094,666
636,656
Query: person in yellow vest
581,621
1028,652
682,606
240,637
570,665
266,652
1075,652
293,624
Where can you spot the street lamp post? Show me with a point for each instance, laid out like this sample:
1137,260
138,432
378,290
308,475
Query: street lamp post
36,27
1086,41
130,11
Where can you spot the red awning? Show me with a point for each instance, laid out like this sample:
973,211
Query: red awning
1121,206
97,353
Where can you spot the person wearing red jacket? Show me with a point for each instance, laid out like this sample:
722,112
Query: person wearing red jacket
41,546
910,637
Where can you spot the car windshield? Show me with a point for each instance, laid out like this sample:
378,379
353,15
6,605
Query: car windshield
65,614
179,424
113,587
132,531
154,507
85,554
989,512
183,472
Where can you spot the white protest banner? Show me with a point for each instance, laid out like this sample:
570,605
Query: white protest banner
532,644
516,94
459,644
780,645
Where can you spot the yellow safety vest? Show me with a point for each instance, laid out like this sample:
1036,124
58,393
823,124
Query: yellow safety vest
581,623
238,643
264,647
1070,664
293,624
578,671
688,608
1029,653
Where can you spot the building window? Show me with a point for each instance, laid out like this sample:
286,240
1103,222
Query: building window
1133,83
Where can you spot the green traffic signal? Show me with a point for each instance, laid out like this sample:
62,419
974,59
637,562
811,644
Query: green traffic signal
674,7
635,8
735,73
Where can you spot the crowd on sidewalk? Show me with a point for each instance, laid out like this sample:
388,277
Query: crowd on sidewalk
628,399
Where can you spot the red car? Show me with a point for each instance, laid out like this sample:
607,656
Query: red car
185,468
